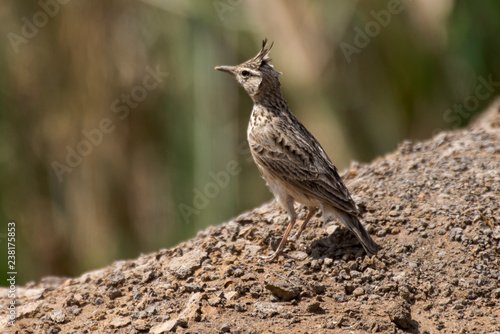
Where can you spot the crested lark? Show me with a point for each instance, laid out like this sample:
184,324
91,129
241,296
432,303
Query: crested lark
289,158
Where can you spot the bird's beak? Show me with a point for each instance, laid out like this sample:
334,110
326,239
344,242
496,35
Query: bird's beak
227,69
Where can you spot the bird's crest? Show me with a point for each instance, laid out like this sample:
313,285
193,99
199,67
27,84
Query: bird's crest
262,58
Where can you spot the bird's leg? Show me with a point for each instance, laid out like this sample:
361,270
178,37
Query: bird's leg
293,218
310,214
282,243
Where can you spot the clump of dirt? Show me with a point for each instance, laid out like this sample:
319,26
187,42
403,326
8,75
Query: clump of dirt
433,206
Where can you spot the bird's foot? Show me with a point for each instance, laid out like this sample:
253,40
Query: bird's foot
294,238
272,257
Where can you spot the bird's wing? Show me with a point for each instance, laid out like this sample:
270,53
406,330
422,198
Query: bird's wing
296,157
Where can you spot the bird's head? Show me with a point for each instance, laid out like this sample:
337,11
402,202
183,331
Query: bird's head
257,75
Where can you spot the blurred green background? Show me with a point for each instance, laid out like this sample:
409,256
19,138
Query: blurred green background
103,155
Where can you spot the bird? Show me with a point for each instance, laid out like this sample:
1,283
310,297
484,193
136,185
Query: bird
290,159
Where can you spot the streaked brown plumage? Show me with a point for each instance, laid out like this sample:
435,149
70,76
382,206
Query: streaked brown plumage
290,159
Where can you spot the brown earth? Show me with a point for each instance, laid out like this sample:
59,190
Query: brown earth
433,206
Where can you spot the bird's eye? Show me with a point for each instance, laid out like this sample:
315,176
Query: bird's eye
245,74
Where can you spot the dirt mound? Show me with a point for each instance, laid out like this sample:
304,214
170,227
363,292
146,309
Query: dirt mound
433,206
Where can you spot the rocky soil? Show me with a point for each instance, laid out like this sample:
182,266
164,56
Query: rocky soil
433,206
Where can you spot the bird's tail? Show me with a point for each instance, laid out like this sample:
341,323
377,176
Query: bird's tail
353,224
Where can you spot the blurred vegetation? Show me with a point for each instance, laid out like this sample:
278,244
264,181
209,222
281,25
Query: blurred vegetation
133,191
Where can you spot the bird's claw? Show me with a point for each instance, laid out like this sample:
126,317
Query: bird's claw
272,257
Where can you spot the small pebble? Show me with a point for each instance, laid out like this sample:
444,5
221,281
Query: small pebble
225,328
58,316
313,306
359,291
